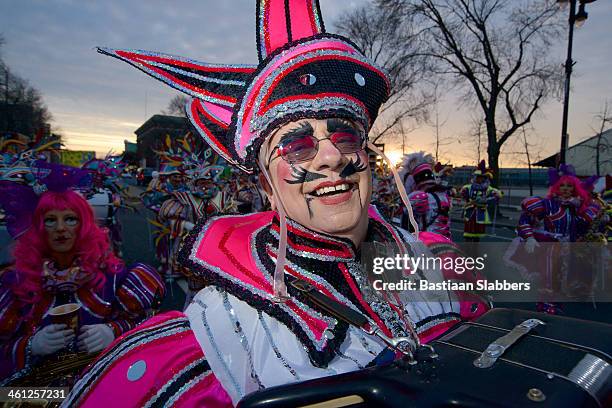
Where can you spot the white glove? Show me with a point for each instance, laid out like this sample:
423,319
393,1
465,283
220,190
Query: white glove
576,201
188,225
95,337
531,244
50,339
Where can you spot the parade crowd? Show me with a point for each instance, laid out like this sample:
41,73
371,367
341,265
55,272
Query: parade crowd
79,260
276,206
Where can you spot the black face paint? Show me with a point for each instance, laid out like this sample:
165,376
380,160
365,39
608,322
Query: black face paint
340,125
301,130
308,200
353,166
300,175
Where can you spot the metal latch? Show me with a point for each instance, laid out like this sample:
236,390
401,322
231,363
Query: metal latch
499,346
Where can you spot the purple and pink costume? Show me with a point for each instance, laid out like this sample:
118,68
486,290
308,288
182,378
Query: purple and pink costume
122,303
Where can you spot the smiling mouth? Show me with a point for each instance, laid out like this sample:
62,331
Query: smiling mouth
330,189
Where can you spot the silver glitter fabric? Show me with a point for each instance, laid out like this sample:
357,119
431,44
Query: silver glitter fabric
277,353
244,342
27,367
359,366
213,343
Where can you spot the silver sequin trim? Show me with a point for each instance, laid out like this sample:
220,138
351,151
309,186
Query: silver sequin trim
196,76
437,321
278,354
312,255
172,83
213,343
173,380
378,304
244,342
184,389
331,322
316,104
319,344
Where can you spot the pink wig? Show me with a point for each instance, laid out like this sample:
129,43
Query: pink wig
579,191
92,245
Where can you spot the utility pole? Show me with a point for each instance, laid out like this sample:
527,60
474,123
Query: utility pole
569,63
575,18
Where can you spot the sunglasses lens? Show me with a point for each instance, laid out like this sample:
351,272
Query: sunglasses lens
347,142
298,150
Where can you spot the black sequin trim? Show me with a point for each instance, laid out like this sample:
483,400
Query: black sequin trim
180,382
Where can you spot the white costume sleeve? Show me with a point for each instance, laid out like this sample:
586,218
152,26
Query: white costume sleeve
249,350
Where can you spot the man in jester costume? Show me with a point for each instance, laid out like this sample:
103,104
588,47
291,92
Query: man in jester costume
182,209
430,200
478,197
300,117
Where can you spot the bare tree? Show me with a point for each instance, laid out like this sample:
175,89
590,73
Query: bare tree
496,52
176,106
399,135
476,134
523,152
605,119
383,37
526,146
17,91
437,124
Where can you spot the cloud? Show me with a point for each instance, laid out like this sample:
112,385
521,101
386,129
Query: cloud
51,43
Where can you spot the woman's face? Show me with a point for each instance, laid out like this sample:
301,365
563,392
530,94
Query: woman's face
62,229
331,191
566,190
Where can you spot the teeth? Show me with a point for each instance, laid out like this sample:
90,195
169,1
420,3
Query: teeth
331,189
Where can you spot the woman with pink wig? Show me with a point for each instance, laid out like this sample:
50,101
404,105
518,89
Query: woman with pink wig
62,257
564,215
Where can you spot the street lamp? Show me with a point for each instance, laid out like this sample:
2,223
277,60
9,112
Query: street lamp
575,18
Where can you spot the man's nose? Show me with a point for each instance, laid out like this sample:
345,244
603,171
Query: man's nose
328,156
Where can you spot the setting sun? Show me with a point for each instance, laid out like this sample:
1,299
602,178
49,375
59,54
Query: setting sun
395,157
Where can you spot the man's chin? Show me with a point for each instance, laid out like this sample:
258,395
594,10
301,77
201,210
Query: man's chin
340,224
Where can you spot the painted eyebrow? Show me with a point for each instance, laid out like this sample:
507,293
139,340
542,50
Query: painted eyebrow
302,129
335,125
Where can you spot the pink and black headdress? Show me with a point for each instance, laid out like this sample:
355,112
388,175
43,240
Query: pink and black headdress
416,170
303,72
